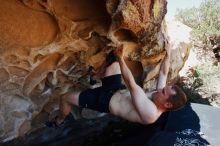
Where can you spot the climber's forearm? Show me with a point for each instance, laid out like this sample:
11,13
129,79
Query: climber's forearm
164,70
126,74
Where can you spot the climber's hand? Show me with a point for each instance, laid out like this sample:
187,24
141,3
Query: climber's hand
168,47
119,51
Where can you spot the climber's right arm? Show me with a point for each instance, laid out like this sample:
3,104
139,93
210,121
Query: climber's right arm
145,108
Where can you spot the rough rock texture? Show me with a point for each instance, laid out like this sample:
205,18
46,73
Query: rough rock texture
47,46
215,43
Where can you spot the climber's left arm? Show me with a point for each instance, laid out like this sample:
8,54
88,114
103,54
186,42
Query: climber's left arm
164,68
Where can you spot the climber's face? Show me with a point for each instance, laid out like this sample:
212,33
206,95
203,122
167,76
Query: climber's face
160,97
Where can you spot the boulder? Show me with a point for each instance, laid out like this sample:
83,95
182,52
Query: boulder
47,47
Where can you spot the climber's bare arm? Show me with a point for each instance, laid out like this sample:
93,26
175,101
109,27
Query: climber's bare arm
146,109
126,73
164,69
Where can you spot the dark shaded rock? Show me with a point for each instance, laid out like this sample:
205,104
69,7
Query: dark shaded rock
106,130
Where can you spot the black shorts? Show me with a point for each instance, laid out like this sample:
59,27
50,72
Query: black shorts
98,99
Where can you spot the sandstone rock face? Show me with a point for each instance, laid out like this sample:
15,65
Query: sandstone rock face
47,46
